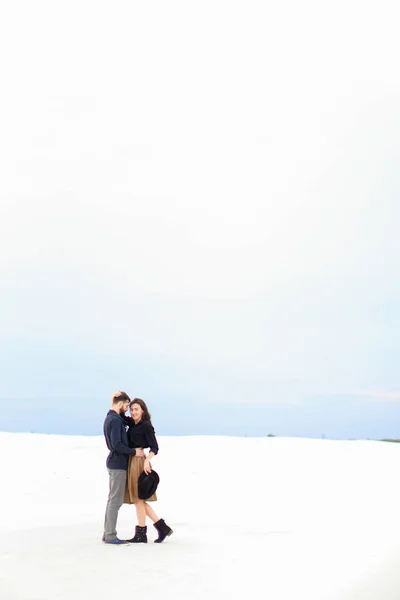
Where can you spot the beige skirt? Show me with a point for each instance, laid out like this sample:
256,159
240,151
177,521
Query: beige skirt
135,468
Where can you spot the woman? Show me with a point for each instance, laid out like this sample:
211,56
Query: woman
141,435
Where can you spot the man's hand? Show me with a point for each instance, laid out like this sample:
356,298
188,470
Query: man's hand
139,452
115,395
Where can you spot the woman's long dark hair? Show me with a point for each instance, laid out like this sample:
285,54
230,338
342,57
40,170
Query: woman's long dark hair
143,406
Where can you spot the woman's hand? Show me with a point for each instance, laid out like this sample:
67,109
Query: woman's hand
147,466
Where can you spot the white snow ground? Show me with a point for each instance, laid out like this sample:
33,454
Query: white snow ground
266,517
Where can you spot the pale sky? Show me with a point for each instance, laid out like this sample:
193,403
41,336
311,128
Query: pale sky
200,202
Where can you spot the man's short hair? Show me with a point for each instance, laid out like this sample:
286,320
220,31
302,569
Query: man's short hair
123,397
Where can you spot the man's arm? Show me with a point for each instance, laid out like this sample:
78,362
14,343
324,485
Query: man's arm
116,440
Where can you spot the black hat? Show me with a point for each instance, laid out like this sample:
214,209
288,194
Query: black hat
147,484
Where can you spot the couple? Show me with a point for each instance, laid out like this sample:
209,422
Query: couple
125,463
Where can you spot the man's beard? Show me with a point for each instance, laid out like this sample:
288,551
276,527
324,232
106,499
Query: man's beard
122,412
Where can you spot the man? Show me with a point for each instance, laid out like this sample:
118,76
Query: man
117,463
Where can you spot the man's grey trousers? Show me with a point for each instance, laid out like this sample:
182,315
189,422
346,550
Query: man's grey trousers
115,501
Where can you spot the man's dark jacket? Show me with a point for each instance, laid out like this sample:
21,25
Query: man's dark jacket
117,441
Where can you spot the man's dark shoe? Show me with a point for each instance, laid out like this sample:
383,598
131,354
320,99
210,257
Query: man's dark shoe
163,531
140,536
116,542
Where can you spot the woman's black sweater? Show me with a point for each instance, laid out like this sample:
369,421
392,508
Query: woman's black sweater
141,435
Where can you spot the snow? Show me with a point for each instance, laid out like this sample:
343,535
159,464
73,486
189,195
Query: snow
267,517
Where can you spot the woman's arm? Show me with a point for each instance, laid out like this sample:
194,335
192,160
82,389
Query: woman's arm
147,463
151,442
128,420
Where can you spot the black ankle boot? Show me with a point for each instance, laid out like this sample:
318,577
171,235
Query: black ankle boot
163,531
140,535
